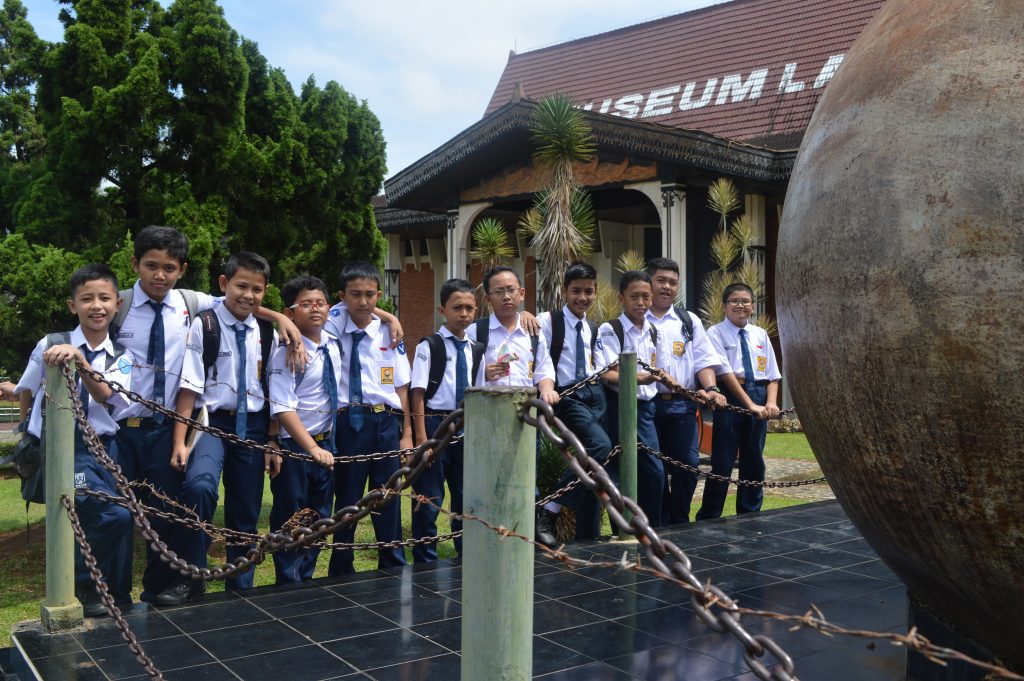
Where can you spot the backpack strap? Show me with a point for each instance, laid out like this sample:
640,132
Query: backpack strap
687,320
616,325
478,356
438,358
126,295
654,335
557,338
191,303
483,330
534,342
266,347
211,341
593,338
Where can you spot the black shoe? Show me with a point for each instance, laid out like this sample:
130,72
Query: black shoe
545,530
184,590
92,604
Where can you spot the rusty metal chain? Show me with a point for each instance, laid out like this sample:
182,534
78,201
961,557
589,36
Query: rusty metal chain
232,437
703,596
420,458
104,591
695,397
726,479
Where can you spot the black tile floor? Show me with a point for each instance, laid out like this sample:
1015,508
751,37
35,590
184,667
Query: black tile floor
591,624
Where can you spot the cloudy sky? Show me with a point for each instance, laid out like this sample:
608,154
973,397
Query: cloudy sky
427,69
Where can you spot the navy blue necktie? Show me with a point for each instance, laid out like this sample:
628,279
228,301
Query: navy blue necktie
581,358
748,368
242,410
461,370
83,394
331,386
155,356
355,384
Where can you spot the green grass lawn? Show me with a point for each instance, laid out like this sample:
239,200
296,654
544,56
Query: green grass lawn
21,562
788,446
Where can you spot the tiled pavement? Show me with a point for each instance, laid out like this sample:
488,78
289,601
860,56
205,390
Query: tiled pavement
592,624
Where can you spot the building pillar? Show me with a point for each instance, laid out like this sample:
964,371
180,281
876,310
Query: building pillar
670,200
394,263
460,224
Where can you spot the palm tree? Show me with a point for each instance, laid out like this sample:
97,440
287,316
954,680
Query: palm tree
562,219
492,248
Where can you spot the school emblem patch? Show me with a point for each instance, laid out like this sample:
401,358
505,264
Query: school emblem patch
654,358
401,347
762,362
529,369
124,366
387,375
79,480
678,348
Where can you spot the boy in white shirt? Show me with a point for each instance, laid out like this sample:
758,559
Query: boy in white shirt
306,407
108,527
374,414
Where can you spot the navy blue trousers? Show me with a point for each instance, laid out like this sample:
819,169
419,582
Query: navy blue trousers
448,468
244,470
676,422
732,433
144,454
650,471
299,485
381,432
108,527
585,413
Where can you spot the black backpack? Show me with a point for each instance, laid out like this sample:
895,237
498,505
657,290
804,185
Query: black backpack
687,320
438,358
211,346
558,337
29,458
483,333
616,325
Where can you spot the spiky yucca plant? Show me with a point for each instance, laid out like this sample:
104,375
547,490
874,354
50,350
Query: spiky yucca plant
563,223
731,252
492,248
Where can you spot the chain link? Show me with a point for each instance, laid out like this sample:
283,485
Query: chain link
726,479
104,591
703,596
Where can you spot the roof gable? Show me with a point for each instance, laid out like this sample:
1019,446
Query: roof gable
746,70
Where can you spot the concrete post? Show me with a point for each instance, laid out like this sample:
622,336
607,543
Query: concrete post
627,431
60,609
497,573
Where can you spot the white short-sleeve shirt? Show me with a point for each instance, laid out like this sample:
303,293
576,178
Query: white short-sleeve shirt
635,339
566,369
134,335
103,417
222,392
683,359
382,367
306,393
524,368
444,398
726,337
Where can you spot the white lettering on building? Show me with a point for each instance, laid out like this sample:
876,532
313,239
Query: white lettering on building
730,89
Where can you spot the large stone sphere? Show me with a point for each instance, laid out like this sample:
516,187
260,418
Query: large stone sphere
900,298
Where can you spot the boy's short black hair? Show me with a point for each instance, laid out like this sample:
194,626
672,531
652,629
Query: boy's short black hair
631,276
247,260
293,287
496,270
736,286
92,272
160,238
359,270
655,264
577,271
454,286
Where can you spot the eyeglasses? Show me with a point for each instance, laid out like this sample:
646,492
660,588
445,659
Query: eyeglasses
740,303
307,306
504,292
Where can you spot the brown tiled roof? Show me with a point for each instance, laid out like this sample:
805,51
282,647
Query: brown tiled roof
742,43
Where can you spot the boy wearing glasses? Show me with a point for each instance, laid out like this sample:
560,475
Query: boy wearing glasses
692,361
305,405
754,384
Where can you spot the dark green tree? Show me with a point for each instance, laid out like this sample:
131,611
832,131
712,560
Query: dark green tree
145,115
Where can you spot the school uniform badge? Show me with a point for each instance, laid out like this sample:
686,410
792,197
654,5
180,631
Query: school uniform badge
387,375
678,348
762,362
124,366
